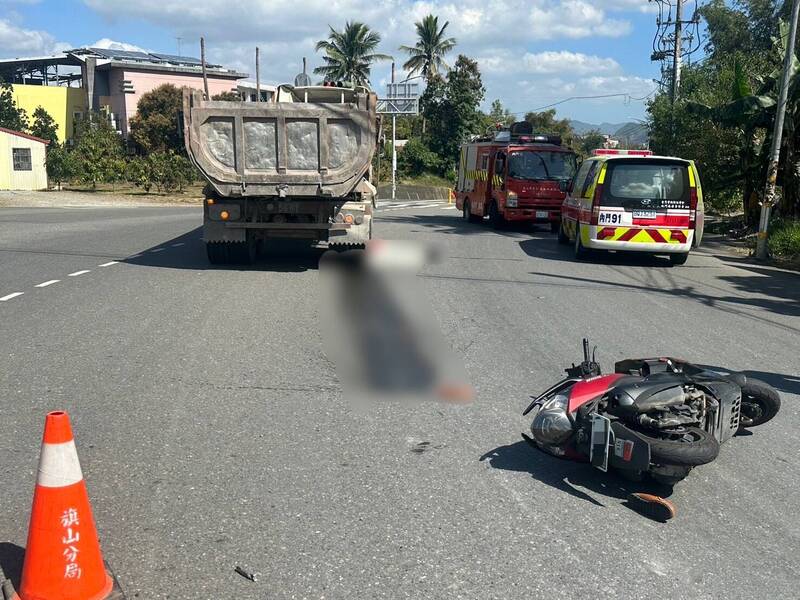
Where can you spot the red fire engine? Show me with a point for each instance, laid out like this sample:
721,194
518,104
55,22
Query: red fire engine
514,176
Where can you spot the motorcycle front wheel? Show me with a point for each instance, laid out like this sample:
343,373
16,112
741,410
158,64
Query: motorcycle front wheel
692,448
760,402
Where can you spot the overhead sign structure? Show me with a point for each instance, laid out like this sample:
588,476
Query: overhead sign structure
401,99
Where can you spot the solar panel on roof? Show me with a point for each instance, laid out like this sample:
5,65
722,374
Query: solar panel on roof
174,58
122,54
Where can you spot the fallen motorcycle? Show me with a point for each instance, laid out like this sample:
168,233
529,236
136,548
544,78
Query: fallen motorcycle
656,416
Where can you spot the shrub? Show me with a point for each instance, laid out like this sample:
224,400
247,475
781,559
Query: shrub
415,158
166,171
784,239
137,172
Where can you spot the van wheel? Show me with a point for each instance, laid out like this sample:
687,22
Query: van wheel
496,220
563,238
581,253
676,259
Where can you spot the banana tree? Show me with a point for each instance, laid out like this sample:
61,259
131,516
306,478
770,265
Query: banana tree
753,113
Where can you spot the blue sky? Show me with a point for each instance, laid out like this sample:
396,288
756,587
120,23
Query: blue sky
531,52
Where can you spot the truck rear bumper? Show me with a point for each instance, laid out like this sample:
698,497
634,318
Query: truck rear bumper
533,215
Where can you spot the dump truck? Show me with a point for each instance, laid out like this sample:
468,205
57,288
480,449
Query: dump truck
295,167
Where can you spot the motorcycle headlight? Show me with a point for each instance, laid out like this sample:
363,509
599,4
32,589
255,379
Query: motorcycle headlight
512,200
551,425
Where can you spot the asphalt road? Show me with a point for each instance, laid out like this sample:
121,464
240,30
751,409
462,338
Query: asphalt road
213,433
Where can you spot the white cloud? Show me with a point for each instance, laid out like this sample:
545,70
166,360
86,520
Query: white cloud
510,37
17,41
568,62
110,44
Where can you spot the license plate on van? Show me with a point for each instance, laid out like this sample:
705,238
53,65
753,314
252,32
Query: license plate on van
542,214
644,214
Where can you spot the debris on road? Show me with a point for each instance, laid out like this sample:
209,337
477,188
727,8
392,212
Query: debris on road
244,573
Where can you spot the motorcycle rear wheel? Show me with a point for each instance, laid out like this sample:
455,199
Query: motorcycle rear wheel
696,447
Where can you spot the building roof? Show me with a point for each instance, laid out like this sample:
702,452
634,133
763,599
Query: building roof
106,58
23,135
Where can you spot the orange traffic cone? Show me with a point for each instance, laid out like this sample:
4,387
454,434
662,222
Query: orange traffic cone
63,559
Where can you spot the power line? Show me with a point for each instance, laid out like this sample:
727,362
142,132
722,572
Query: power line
627,95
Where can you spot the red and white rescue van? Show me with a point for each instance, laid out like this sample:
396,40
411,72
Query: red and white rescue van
631,200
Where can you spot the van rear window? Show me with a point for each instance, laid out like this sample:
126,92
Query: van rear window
657,184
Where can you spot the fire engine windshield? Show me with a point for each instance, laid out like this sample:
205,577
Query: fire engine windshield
537,164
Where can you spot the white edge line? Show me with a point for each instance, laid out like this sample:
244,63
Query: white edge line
76,273
10,296
177,245
134,256
108,264
46,283
157,250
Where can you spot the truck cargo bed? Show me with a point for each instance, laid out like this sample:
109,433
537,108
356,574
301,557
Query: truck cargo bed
285,149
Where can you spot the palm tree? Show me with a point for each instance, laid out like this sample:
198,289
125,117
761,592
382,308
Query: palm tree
426,57
349,53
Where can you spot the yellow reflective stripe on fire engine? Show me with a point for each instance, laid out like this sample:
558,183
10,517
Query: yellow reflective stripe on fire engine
691,177
642,237
497,181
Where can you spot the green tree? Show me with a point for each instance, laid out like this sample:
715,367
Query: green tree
349,53
426,57
227,97
546,122
589,142
499,115
59,163
452,108
155,125
98,152
724,119
137,172
44,126
11,116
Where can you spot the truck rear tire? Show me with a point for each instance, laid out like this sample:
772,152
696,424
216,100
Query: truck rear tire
217,253
232,253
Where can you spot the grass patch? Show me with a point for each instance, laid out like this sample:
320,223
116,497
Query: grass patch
784,239
427,180
194,190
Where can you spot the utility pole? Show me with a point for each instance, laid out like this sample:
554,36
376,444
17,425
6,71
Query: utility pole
203,64
258,77
676,59
394,147
775,154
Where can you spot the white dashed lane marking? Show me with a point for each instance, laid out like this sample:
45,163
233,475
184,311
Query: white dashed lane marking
50,282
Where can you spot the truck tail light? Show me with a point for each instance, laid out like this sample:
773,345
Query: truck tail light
692,207
598,193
